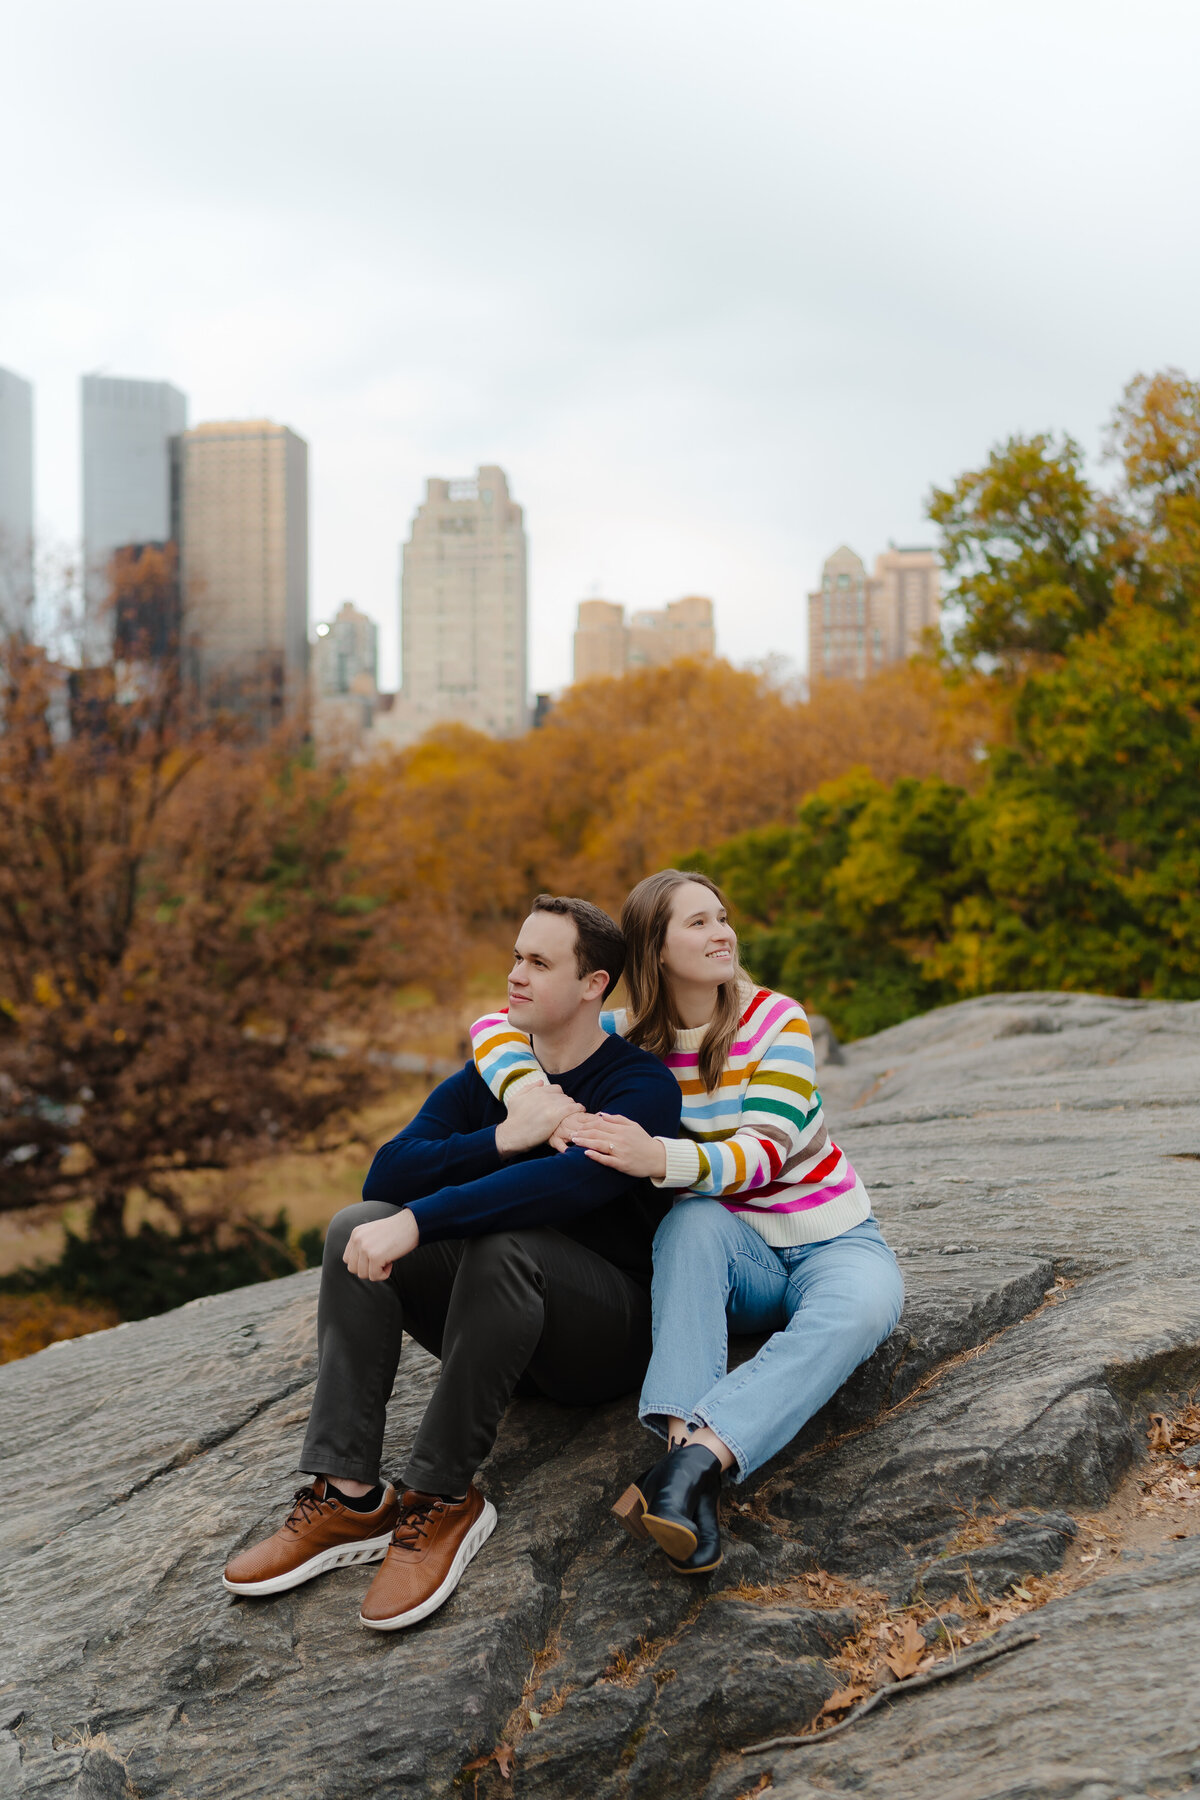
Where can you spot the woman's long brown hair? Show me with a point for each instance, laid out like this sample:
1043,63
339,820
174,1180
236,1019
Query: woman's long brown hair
653,1019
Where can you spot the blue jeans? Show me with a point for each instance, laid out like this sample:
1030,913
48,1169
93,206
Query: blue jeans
828,1305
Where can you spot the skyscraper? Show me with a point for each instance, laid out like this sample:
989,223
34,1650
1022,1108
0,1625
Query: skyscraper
244,563
840,644
463,608
606,645
908,598
127,430
860,623
344,678
16,500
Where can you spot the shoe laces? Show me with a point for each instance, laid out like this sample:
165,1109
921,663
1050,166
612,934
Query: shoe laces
307,1505
415,1521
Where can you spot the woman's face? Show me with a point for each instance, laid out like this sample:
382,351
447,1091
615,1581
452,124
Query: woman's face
700,944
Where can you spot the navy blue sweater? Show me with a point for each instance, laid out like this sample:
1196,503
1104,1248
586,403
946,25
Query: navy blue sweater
446,1169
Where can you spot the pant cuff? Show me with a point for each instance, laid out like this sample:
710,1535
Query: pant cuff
426,1480
654,1415
735,1449
320,1462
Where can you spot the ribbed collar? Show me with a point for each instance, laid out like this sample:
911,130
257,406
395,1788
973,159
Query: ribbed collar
694,1036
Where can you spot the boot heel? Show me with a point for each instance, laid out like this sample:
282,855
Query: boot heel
629,1509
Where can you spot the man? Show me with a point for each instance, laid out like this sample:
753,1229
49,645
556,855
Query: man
503,1257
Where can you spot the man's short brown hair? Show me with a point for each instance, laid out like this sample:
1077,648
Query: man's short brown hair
598,940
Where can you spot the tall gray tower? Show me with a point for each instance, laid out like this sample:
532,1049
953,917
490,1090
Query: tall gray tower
463,608
16,500
127,431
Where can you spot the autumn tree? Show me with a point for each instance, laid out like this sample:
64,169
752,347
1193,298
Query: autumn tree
182,931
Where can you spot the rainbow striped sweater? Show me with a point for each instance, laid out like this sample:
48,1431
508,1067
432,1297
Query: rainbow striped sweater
757,1143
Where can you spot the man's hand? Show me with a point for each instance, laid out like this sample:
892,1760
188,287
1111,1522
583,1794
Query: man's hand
533,1115
374,1247
619,1143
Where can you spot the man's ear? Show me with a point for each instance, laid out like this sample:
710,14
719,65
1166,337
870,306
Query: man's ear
596,986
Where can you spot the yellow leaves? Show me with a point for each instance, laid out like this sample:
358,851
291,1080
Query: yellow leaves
45,992
77,1159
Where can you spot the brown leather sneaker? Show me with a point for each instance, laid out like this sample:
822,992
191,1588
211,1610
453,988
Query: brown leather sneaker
318,1534
431,1546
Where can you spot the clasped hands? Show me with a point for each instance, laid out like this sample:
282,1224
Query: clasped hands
545,1115
540,1115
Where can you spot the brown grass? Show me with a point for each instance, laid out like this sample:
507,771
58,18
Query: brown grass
30,1322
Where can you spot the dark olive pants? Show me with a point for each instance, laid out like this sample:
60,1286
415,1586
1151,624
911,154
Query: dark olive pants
532,1304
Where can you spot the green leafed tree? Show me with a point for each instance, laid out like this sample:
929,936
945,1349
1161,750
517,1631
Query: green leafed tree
1076,865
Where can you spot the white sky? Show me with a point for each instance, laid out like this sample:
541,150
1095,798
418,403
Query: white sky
719,285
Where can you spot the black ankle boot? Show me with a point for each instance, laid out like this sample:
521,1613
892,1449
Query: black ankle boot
707,1555
664,1504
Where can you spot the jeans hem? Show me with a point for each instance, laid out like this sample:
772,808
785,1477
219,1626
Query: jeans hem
735,1450
648,1413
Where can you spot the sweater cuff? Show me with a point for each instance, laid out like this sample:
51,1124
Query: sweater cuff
532,1078
683,1163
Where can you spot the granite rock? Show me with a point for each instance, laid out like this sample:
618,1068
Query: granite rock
1012,1145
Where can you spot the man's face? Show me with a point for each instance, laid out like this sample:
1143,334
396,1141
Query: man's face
545,989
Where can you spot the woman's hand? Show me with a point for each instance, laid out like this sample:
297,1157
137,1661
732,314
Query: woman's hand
619,1144
375,1246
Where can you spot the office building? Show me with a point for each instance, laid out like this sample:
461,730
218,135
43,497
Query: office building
606,645
908,599
345,679
601,641
128,427
463,611
860,623
16,501
244,564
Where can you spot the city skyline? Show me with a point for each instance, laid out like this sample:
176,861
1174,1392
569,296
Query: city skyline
706,347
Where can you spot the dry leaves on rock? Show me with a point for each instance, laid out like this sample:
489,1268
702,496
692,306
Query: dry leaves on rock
843,1700
503,1756
911,1654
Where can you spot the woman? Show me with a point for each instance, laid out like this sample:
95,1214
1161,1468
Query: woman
772,1230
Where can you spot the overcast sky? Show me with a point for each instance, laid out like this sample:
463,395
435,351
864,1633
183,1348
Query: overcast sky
719,286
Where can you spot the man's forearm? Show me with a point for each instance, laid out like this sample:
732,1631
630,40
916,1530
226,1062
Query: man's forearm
542,1191
410,1166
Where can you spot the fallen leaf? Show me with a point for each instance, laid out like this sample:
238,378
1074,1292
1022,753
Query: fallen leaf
908,1655
535,1719
502,1756
1160,1433
844,1699
1022,1593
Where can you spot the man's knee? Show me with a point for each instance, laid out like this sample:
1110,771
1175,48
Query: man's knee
337,1233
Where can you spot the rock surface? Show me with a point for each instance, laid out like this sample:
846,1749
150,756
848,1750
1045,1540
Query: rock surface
1008,1143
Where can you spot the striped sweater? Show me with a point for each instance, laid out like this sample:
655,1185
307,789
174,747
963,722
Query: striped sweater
757,1143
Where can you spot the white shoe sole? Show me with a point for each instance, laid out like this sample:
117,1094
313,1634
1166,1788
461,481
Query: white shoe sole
341,1556
471,1545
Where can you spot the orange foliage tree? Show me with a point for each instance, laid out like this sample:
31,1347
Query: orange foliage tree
627,775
